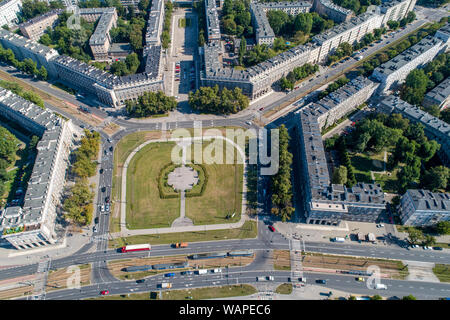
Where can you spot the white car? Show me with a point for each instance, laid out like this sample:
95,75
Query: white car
102,208
248,122
427,248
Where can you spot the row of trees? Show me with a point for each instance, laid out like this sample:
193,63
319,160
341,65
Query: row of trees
150,103
410,17
129,31
71,42
357,6
297,74
129,66
302,25
334,86
27,95
78,206
411,150
165,36
236,18
345,49
419,81
281,186
214,100
27,65
199,7
33,8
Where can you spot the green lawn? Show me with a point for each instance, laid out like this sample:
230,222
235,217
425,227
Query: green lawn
209,293
145,209
222,196
248,230
285,288
388,183
442,271
184,22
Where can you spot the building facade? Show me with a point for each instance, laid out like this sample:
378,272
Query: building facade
33,29
439,96
33,224
8,12
424,208
331,10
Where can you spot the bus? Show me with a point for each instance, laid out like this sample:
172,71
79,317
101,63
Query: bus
136,247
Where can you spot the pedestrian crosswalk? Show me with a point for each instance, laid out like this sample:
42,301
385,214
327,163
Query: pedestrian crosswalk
41,279
297,276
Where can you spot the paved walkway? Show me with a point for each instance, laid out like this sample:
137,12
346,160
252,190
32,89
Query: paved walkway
421,271
124,231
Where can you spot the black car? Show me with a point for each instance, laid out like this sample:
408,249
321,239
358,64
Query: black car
103,189
321,281
107,199
140,281
96,220
101,171
437,248
111,148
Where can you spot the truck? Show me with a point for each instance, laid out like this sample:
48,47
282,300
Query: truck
202,271
371,237
338,239
260,279
270,278
165,285
380,286
180,245
136,247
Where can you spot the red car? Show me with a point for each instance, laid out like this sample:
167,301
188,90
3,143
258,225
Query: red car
271,228
104,292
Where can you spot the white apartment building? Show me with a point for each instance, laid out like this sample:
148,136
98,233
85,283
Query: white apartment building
8,12
395,10
33,224
424,208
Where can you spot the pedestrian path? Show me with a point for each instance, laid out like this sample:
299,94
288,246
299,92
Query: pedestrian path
41,280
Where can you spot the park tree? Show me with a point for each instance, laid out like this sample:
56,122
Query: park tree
415,235
415,87
132,62
340,175
436,178
8,146
443,227
409,297
119,68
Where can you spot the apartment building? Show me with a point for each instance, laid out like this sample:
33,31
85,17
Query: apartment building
434,128
350,31
292,8
395,10
423,208
100,41
395,71
33,29
342,101
25,48
212,20
33,224
8,12
155,23
324,202
332,11
263,31
439,96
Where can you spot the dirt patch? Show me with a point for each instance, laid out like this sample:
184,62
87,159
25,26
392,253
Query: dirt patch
57,279
115,267
393,269
281,260
16,292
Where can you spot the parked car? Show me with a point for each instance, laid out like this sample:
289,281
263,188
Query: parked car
107,199
140,281
171,274
360,279
104,292
437,248
107,207
96,220
271,228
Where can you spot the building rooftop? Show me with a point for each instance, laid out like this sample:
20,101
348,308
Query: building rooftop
101,33
262,25
408,55
329,4
427,200
28,44
440,93
42,17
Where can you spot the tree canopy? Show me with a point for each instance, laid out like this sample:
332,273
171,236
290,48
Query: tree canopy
214,100
150,103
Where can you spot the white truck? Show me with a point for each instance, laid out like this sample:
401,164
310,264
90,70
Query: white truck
202,271
380,286
338,239
259,279
270,278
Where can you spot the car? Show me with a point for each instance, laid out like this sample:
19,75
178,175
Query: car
426,248
140,281
360,279
248,122
107,199
104,292
437,248
188,273
261,109
414,246
271,228
103,189
381,225
270,278
101,171
321,281
96,220
111,148
102,208
171,274
95,229
177,79
107,207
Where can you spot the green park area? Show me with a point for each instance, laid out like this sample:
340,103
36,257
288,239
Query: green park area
152,203
442,271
